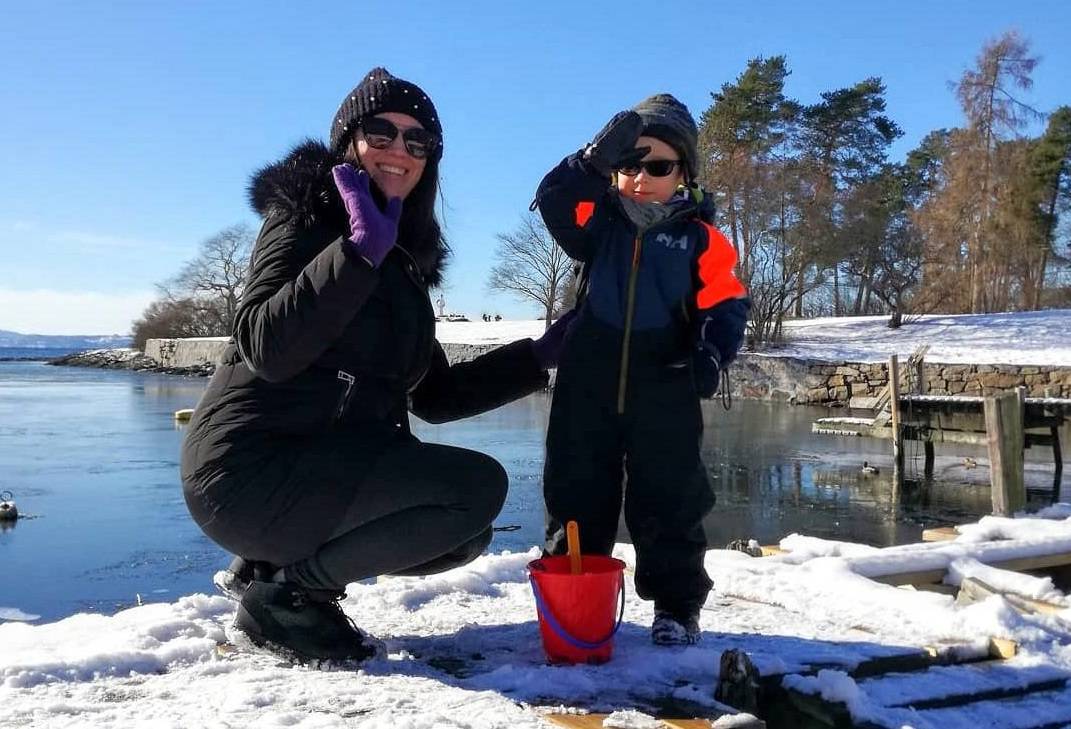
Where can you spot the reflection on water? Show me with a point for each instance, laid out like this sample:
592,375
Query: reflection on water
92,457
772,477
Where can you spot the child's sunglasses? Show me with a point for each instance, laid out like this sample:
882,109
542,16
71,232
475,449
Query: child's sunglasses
653,167
380,134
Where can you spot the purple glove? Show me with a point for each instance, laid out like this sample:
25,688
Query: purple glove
372,233
548,348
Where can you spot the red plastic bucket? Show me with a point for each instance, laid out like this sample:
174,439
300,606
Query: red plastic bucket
578,614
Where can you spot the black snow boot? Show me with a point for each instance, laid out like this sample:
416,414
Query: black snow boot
310,626
680,628
236,579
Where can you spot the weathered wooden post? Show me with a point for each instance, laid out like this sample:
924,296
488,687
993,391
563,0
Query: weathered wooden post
927,445
894,409
1004,437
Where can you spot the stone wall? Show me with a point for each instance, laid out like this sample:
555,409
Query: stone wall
830,383
197,352
755,376
192,352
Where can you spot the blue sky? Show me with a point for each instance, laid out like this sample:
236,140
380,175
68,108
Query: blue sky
129,129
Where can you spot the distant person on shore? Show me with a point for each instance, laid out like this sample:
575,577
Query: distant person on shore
663,314
299,458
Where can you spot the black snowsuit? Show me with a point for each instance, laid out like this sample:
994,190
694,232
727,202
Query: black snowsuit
625,400
299,453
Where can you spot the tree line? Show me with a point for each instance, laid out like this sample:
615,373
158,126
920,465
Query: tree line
974,220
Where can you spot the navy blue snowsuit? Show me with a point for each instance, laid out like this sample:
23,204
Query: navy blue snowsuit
625,401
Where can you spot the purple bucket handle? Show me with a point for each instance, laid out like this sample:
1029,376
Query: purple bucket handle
541,606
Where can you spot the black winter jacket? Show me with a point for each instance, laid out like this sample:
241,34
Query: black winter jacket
323,343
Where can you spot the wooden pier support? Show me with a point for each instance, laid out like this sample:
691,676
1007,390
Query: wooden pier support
1004,435
897,431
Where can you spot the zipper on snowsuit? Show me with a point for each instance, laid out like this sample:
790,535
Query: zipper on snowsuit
630,307
630,303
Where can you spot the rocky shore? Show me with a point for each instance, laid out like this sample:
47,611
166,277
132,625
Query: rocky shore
129,359
755,376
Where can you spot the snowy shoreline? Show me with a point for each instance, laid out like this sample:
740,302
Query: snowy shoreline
462,648
830,361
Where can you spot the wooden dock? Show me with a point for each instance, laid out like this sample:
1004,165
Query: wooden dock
1006,424
930,684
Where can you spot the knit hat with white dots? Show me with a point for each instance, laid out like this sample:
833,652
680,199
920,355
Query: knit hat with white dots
380,92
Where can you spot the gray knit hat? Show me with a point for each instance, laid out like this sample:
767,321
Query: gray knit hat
669,120
378,92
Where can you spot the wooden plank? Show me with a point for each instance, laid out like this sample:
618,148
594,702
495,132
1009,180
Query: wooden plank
938,587
1004,428
577,721
943,686
922,577
1040,562
706,724
939,534
912,431
1016,564
973,589
929,656
890,664
1003,648
595,721
1040,710
939,435
819,712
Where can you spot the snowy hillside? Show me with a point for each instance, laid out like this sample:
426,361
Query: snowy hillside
1034,337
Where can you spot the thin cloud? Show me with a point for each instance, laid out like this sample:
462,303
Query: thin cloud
45,234
44,311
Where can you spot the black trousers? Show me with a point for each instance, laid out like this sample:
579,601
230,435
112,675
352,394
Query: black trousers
413,509
648,457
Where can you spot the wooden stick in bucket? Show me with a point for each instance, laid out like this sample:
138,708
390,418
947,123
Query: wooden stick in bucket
572,536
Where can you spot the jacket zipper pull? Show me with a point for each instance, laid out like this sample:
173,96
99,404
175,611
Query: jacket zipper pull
349,380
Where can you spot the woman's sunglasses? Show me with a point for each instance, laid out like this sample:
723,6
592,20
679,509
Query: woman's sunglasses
380,134
653,168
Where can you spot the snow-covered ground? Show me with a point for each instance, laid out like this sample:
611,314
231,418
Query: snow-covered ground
1034,337
463,648
1027,338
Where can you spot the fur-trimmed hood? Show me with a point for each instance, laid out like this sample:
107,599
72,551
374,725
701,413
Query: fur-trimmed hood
301,186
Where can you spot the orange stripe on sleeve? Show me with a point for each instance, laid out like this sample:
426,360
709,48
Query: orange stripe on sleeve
584,210
717,282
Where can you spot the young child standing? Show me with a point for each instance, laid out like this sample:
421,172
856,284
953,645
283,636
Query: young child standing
663,314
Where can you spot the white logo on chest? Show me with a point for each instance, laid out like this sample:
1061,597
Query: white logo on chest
669,242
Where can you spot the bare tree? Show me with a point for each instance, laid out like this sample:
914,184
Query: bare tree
217,273
532,266
168,318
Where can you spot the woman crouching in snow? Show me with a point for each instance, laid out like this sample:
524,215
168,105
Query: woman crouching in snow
299,458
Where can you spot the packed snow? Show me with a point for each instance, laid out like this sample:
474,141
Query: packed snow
1026,338
463,650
